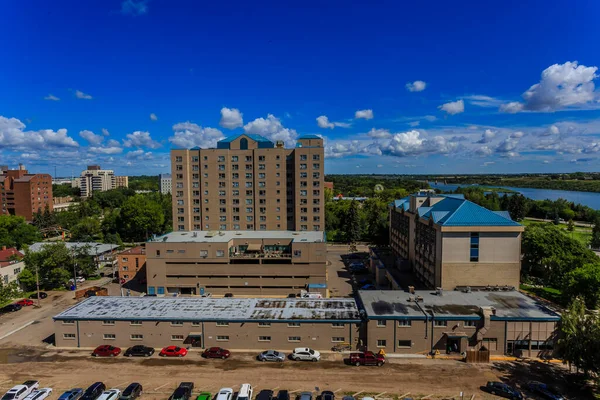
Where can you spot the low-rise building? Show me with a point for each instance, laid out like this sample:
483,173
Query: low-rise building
132,264
252,263
505,322
103,253
234,323
24,194
166,183
10,264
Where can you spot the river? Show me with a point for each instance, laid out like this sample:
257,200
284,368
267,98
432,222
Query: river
589,199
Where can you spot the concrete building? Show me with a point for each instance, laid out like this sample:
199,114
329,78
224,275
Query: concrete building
250,183
95,179
24,194
233,323
10,264
505,322
450,242
251,263
122,181
165,183
103,253
132,264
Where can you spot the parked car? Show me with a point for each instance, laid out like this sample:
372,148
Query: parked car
94,391
503,390
173,351
271,355
348,398
545,391
228,295
39,394
356,265
292,296
327,395
245,392
139,351
305,354
11,308
367,358
19,392
225,394
283,395
43,295
365,281
25,302
73,394
112,394
305,396
265,394
131,392
204,396
368,287
31,385
183,391
106,350
360,271
216,352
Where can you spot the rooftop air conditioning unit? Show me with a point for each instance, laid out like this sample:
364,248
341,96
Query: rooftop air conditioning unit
419,298
439,291
411,299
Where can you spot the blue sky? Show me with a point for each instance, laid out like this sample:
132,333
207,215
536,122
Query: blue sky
393,87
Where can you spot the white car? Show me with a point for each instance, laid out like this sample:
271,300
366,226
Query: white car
245,392
225,394
39,394
305,354
112,394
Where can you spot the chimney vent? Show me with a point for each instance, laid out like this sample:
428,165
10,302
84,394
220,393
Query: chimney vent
411,289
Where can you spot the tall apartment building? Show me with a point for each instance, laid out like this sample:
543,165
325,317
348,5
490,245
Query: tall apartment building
450,242
24,194
165,183
95,179
250,183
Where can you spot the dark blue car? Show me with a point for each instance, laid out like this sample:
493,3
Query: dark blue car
73,394
503,390
544,391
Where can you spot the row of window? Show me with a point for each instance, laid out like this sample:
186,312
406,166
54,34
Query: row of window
195,159
402,344
250,227
406,323
220,338
198,323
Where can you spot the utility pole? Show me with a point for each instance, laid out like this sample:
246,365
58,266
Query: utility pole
37,283
74,271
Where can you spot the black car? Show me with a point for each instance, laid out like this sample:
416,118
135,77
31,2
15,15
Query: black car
94,391
139,351
228,295
43,295
503,390
327,395
183,392
283,395
265,395
133,391
545,391
11,308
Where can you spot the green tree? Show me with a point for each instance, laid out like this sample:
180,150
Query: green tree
595,240
583,282
54,263
27,279
140,217
352,223
376,216
517,207
8,291
328,195
16,232
86,230
570,226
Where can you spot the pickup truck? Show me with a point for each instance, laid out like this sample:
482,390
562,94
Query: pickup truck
367,358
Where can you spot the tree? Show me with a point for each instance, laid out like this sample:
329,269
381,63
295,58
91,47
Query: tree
140,217
595,240
328,195
54,263
352,223
16,232
585,283
570,226
27,279
86,230
517,207
376,216
8,291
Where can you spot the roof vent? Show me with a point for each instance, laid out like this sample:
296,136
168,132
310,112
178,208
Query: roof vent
439,291
468,289
195,234
411,299
419,298
165,238
411,289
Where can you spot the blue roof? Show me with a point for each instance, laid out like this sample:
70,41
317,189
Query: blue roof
263,142
310,137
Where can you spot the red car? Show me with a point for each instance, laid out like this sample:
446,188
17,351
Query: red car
25,302
367,358
216,352
173,351
106,351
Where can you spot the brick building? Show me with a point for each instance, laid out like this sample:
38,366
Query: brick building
24,194
132,264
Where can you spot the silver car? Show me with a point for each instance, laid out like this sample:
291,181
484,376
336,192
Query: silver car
271,355
305,354
305,396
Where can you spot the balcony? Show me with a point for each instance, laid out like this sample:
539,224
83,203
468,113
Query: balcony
258,251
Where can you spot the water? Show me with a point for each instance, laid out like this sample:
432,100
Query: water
589,199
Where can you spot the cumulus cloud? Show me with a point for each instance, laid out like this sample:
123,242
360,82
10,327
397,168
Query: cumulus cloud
14,136
487,136
483,151
483,101
516,135
105,132
80,95
91,137
51,97
414,143
561,86
324,122
551,131
338,150
272,128
416,86
365,114
153,117
105,149
379,133
140,139
453,107
133,7
507,146
139,155
188,135
231,118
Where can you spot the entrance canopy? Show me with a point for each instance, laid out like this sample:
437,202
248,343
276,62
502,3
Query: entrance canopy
456,335
254,247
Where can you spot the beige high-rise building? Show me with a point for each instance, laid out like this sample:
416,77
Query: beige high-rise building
249,183
95,179
122,181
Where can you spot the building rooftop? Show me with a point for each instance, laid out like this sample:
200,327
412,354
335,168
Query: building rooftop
211,309
99,248
304,137
138,250
509,305
263,142
6,253
226,236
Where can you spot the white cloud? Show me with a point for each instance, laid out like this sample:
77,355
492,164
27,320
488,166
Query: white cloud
153,117
272,129
416,86
546,162
414,143
339,149
488,163
231,118
91,137
14,136
139,155
51,97
140,139
379,133
414,124
551,131
188,135
133,7
453,107
80,95
105,132
487,136
324,122
483,151
516,135
365,114
105,150
379,165
430,118
483,101
507,146
561,86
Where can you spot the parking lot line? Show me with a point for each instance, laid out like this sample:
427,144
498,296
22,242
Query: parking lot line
276,388
162,386
356,394
380,394
426,397
3,382
404,395
294,391
337,390
120,384
17,330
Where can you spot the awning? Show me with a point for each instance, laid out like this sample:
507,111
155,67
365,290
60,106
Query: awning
195,334
254,247
317,286
456,335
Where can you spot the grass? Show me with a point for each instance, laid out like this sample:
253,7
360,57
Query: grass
22,295
548,293
581,234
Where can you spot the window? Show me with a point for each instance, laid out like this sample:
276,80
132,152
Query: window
264,324
297,253
176,323
68,322
107,322
196,323
316,157
234,158
135,322
316,166
69,336
137,337
222,338
176,337
222,323
404,344
221,158
471,324
381,342
302,166
293,324
474,255
338,339
220,253
404,323
178,159
440,323
337,325
248,158
110,336
264,338
381,322
293,338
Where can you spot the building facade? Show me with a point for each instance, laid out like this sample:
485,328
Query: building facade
23,194
95,179
165,183
250,263
250,183
450,242
10,264
122,181
132,264
233,323
504,322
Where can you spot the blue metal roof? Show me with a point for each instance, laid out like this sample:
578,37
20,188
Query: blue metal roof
262,141
310,137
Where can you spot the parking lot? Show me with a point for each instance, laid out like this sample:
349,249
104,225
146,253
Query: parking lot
339,279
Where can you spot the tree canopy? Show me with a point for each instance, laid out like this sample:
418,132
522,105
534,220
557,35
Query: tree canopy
16,232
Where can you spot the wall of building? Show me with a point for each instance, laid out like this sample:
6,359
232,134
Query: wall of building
131,266
10,273
24,194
